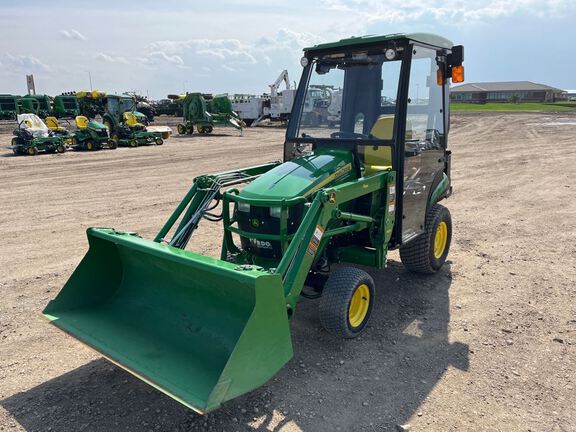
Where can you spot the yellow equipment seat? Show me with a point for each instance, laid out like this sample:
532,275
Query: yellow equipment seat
379,158
82,122
131,120
53,125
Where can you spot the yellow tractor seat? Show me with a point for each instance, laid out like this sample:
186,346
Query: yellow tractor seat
82,122
379,158
131,120
53,125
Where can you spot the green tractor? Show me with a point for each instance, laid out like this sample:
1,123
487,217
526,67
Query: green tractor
33,136
8,107
205,111
121,119
205,330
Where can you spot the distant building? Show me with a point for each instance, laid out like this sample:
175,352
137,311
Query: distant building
571,95
511,91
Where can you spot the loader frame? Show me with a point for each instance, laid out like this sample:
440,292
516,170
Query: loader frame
305,246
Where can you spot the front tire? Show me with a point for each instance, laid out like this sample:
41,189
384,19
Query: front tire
346,302
428,253
181,129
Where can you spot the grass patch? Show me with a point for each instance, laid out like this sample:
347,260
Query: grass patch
512,107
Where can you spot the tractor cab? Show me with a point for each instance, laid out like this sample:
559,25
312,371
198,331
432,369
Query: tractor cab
122,120
394,113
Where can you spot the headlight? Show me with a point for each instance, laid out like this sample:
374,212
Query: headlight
304,61
243,207
275,212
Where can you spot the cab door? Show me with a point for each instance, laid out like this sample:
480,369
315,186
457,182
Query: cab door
425,139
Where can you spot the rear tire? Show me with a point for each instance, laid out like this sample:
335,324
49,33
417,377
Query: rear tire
429,251
32,151
181,129
89,145
346,302
112,144
60,148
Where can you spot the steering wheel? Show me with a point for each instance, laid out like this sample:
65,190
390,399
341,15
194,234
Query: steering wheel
349,135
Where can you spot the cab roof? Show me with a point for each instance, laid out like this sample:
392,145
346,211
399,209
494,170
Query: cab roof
426,38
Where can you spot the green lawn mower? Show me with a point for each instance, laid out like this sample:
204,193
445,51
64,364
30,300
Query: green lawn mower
206,330
204,112
33,136
89,135
92,135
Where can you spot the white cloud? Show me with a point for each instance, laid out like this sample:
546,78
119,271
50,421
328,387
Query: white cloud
161,56
22,63
107,58
448,11
72,34
226,51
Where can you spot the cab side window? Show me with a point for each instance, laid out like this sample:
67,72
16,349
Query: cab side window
425,117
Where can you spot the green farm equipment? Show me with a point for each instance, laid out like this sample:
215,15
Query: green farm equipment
90,103
8,107
27,105
33,136
121,119
205,330
89,134
42,104
205,111
65,106
92,135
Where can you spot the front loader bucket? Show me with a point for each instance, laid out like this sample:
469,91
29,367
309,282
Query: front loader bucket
201,330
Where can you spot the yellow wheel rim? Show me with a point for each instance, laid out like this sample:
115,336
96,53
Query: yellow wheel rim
440,239
358,308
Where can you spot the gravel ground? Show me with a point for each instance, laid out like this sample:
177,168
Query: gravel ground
487,344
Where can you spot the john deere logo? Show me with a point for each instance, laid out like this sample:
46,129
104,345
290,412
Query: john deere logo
255,223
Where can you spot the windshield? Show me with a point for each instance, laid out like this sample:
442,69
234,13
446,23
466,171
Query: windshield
127,104
348,93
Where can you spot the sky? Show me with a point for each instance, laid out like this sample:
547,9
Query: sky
166,47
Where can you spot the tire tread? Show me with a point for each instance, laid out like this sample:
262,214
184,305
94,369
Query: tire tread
416,255
334,302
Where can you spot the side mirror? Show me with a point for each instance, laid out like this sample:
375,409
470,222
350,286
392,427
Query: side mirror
456,57
455,67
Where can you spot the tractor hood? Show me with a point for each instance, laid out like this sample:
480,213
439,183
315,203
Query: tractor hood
303,176
94,125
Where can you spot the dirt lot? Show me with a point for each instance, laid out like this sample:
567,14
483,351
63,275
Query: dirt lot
487,344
